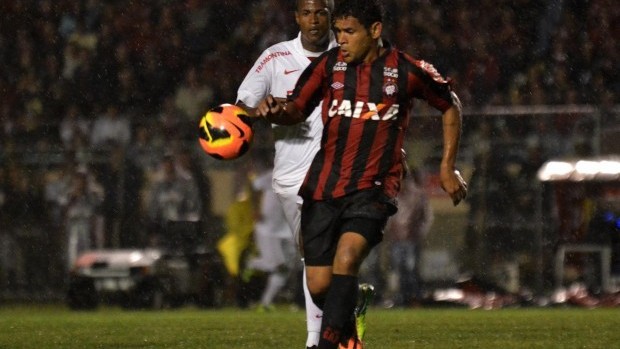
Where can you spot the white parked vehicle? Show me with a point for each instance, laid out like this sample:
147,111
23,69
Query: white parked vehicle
138,278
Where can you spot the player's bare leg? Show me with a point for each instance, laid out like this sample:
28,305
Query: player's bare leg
338,286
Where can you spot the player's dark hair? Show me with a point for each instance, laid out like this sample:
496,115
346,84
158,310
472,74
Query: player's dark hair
367,12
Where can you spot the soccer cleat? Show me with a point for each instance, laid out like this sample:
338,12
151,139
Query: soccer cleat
247,274
353,343
261,308
366,294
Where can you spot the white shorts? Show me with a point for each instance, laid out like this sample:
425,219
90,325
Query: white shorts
291,204
274,252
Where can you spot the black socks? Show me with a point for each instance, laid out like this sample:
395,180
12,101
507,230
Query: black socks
338,321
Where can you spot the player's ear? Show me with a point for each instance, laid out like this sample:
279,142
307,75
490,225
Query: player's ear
376,29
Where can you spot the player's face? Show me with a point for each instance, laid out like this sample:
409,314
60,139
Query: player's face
313,18
357,43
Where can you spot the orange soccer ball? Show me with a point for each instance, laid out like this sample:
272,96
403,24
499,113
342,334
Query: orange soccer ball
225,132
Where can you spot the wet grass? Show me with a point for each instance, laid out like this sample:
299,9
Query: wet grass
57,327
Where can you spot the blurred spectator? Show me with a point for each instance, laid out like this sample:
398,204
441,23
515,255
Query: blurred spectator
172,121
72,60
544,135
74,128
122,181
174,55
154,81
482,73
111,128
92,15
193,96
81,216
405,233
146,149
69,19
198,40
57,187
128,95
173,197
81,86
25,234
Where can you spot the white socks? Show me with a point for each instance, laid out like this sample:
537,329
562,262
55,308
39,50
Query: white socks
314,316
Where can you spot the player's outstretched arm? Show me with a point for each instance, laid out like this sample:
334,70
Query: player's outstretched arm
278,111
251,111
451,180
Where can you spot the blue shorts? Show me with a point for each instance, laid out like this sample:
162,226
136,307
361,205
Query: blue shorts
323,222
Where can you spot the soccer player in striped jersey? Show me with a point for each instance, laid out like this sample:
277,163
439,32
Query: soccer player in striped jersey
367,88
275,73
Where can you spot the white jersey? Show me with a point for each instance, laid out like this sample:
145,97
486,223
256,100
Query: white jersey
276,72
272,232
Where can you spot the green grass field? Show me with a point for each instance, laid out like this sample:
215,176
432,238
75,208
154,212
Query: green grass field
57,327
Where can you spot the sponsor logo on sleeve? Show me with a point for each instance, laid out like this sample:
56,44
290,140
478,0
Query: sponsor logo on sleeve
430,70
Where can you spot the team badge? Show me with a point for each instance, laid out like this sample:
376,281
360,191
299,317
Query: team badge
390,88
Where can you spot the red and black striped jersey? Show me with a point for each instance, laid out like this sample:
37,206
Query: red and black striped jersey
365,114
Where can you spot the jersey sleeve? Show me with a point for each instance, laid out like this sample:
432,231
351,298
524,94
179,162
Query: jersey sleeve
257,82
308,90
427,84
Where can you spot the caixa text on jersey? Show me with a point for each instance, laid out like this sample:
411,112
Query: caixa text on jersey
363,110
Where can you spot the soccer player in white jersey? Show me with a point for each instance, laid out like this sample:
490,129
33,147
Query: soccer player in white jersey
272,233
275,72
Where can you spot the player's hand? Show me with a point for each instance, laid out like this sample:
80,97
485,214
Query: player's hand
453,183
269,107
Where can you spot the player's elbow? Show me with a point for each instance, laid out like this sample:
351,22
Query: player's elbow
456,102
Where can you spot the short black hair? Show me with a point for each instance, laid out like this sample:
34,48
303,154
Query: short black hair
367,12
329,3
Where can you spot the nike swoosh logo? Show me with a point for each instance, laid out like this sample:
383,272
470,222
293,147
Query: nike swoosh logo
286,72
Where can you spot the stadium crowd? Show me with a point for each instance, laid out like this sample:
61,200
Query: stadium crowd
96,92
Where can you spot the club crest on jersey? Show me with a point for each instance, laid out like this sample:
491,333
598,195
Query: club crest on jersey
363,110
390,88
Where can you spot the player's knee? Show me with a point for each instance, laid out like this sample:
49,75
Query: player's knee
347,264
349,257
